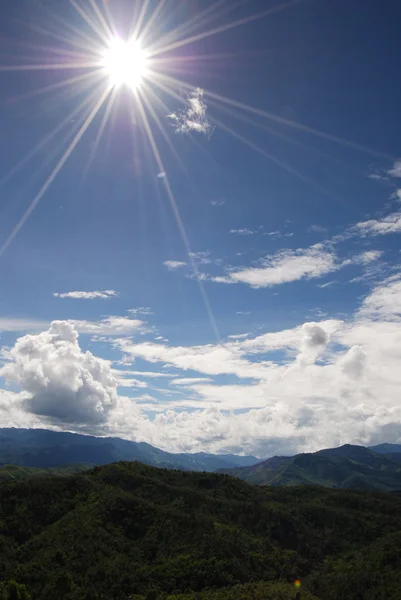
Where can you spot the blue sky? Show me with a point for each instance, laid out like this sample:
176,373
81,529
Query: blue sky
228,249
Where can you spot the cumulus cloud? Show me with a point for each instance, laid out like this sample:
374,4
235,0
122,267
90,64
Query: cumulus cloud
104,294
173,265
389,224
192,118
63,383
320,384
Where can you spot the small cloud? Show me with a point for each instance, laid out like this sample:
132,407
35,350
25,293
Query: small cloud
141,310
397,195
377,176
327,284
190,380
202,258
239,336
367,257
242,231
273,233
162,175
317,228
173,265
193,117
217,201
104,294
244,312
396,170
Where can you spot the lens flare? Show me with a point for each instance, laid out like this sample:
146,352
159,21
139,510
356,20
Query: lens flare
125,63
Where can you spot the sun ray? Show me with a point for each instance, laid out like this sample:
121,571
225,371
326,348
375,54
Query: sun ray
226,27
276,160
105,120
102,20
270,116
141,34
59,85
54,173
202,18
61,66
139,19
177,216
79,38
92,24
42,143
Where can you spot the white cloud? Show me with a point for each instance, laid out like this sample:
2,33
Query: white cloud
384,302
285,266
143,311
320,384
189,380
395,171
63,382
173,265
238,336
104,294
111,325
202,258
242,231
217,201
20,325
317,228
389,224
327,284
365,258
161,175
193,117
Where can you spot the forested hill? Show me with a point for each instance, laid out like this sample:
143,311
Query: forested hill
349,466
127,530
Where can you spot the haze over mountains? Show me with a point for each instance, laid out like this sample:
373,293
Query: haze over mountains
44,449
348,466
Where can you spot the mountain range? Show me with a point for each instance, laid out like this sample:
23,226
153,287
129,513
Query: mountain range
348,466
45,449
28,452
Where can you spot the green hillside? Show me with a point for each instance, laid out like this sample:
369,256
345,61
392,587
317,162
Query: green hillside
127,528
11,472
344,467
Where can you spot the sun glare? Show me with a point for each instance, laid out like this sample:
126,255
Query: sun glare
125,63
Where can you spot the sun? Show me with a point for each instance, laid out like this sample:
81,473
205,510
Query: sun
125,63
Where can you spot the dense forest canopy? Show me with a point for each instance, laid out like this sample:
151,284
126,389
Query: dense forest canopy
127,530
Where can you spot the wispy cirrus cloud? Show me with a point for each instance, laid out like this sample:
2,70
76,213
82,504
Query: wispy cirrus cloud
192,118
81,295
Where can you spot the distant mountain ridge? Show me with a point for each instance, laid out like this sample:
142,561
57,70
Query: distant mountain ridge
44,449
349,466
